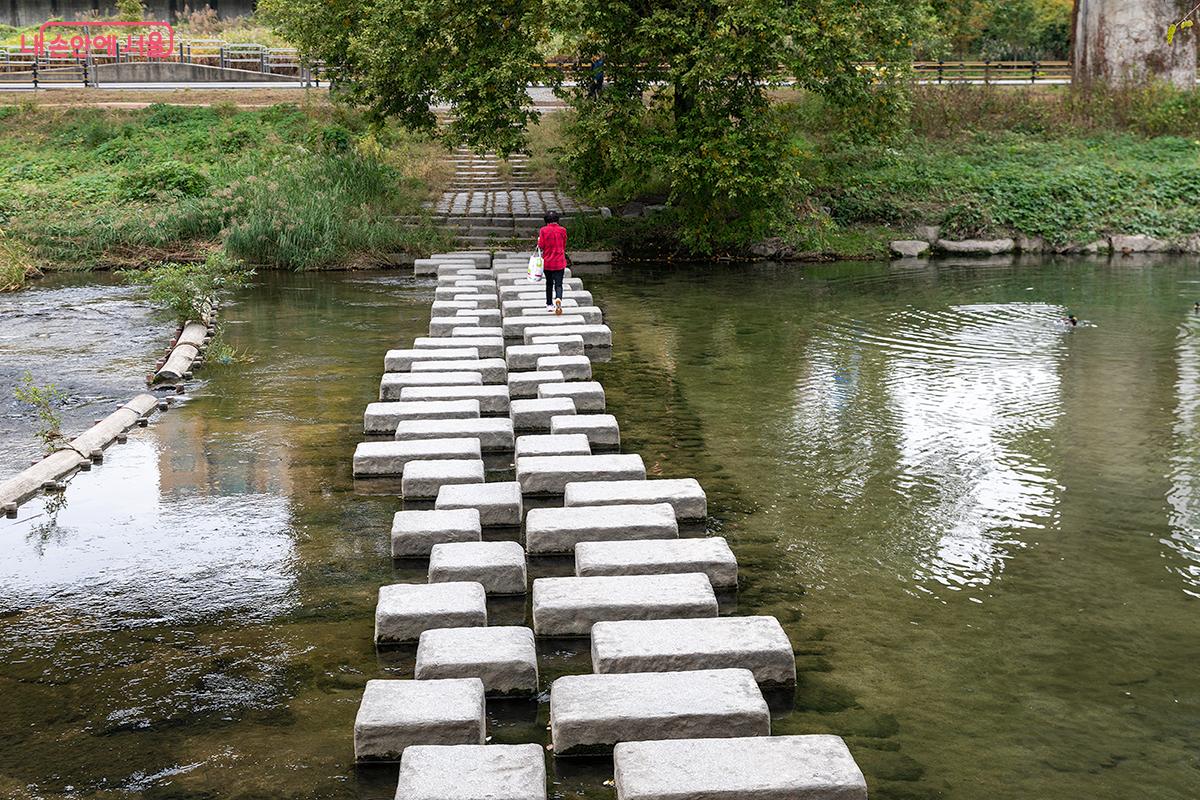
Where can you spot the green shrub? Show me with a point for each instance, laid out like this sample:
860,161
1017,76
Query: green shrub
164,178
187,291
336,139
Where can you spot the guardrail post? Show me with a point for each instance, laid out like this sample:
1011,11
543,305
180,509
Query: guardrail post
35,70
1033,75
85,74
262,59
941,69
221,57
987,71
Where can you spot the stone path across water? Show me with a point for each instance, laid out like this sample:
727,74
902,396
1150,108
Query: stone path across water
677,693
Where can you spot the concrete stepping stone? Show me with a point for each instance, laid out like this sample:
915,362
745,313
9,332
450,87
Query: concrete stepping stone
525,385
403,360
477,258
481,300
494,434
468,331
498,566
591,314
684,494
463,272
493,370
384,417
525,356
588,395
451,292
394,715
444,326
499,503
482,316
406,610
493,398
510,307
568,344
710,555
589,714
559,530
486,286
375,459
423,479
393,383
503,657
758,644
813,767
593,335
551,474
573,368
415,532
473,772
514,327
545,444
570,606
486,346
535,415
601,430
442,308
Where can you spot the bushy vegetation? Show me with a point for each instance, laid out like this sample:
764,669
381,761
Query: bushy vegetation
190,291
281,187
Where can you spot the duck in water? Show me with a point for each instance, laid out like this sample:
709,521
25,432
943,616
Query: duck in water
1070,320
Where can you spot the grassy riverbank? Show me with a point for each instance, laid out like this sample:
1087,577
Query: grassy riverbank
286,186
979,162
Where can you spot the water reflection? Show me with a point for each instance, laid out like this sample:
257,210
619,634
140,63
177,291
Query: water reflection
1184,494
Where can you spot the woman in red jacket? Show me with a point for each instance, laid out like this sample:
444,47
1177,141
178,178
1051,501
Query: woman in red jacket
552,241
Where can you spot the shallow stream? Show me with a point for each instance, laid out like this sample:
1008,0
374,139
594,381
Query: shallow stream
980,527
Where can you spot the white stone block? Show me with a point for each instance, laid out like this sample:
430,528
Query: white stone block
551,474
758,644
535,415
573,368
402,360
488,772
525,385
423,479
495,434
570,606
711,556
515,307
484,316
493,398
593,335
588,395
499,503
514,327
568,344
415,532
383,417
589,714
486,346
481,300
463,272
493,370
601,430
815,767
684,494
559,530
525,356
545,444
393,383
406,610
474,332
376,459
456,293
444,326
498,566
504,658
591,314
394,715
442,308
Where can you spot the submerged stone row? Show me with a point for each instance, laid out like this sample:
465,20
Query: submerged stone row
499,374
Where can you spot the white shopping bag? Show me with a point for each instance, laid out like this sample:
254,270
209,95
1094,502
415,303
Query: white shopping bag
536,267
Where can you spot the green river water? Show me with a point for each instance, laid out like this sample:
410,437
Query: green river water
980,528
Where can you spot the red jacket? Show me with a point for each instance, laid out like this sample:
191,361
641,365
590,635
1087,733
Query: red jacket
552,239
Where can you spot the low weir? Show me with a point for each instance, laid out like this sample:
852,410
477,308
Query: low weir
676,694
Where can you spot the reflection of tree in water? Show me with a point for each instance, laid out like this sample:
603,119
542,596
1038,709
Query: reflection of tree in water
44,530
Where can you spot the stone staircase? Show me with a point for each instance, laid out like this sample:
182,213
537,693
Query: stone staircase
487,206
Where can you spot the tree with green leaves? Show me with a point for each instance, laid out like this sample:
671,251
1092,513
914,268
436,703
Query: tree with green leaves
687,101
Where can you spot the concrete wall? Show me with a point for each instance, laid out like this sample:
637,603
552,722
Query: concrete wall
34,12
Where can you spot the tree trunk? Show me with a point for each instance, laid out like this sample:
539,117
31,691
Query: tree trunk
1124,42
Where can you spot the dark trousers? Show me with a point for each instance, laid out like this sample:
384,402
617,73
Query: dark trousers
554,284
